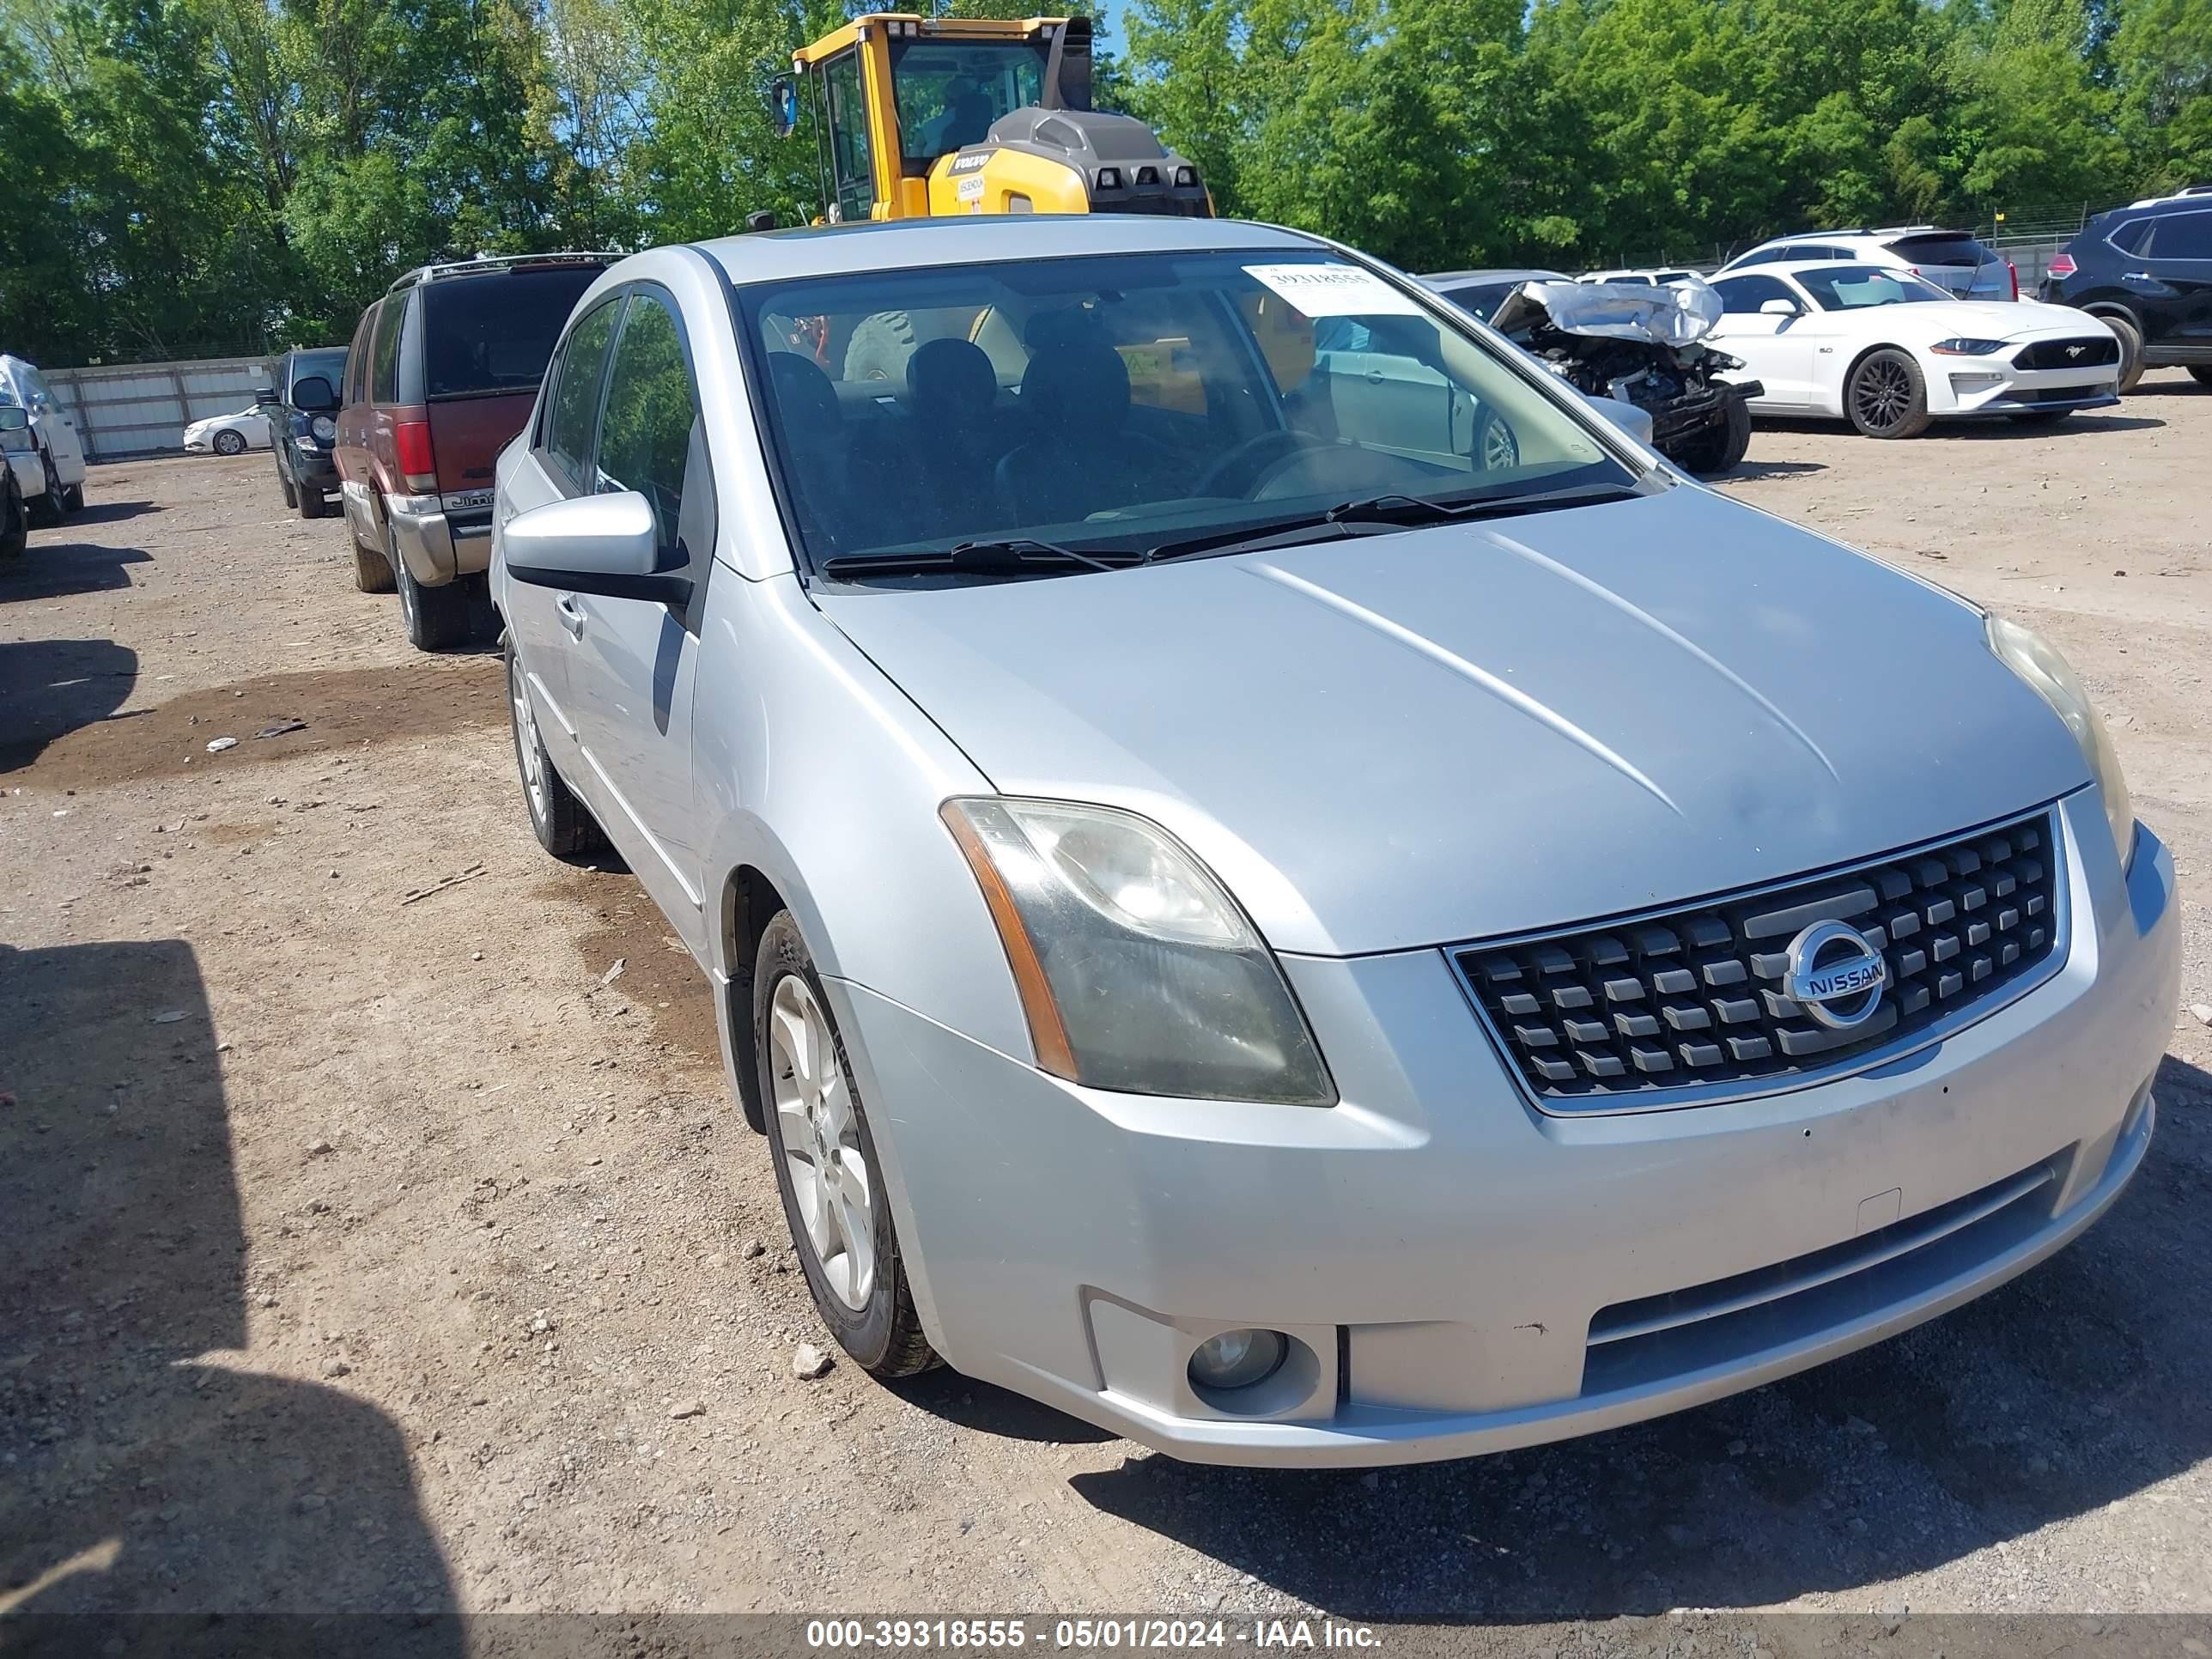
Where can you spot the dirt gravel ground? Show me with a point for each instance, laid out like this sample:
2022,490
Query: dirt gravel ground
358,1253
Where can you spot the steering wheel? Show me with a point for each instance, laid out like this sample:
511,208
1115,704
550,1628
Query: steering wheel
1253,457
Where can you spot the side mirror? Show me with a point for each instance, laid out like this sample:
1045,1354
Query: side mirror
783,107
607,544
1777,308
13,418
313,393
265,396
1635,422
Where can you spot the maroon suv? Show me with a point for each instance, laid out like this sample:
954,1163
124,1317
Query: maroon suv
442,373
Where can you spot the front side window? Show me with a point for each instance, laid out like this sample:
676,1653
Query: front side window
573,409
1121,402
950,92
1852,288
645,430
1743,295
851,156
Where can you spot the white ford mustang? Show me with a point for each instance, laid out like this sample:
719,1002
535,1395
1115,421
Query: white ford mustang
1890,351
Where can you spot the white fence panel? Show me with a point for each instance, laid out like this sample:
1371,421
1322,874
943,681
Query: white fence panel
142,408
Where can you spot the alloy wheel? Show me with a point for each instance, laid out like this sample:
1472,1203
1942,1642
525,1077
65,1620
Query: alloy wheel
529,751
1882,393
830,1180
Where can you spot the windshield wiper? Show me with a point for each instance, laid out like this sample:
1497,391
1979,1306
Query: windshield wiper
1393,508
1017,556
1397,507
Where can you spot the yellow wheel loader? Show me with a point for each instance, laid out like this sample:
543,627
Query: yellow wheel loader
922,117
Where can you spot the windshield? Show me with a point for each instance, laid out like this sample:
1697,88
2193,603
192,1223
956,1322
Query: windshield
493,333
1850,288
1114,403
948,91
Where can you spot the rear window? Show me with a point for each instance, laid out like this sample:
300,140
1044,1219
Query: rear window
493,333
1941,249
1480,298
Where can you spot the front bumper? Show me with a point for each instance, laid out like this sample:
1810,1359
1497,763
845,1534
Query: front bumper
1443,1255
316,467
437,546
1972,386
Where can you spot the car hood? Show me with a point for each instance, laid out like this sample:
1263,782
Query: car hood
1463,731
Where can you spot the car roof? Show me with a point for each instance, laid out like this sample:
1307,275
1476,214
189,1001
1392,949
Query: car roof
1798,267
1502,274
900,245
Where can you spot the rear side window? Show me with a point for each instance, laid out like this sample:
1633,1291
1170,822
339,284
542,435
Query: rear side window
2184,236
2131,237
383,354
1934,250
575,406
645,432
483,335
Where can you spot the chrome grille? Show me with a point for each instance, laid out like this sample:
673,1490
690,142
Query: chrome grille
1689,1002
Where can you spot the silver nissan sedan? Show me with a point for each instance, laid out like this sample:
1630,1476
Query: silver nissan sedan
1275,882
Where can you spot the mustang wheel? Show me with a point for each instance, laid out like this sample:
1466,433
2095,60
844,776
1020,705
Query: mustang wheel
826,1167
1885,397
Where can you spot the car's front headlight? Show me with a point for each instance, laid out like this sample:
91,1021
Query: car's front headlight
324,427
1966,348
1137,970
2036,660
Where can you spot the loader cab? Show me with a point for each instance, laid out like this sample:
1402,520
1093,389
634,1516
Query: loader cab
915,116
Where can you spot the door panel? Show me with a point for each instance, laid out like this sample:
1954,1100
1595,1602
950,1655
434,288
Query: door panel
1777,352
2176,301
631,675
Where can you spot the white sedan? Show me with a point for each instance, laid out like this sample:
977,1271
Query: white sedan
229,434
1890,352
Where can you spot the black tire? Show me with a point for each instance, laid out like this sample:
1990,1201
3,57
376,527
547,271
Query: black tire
1720,446
73,498
437,618
563,825
881,343
2131,347
1885,396
285,483
311,503
885,1338
2200,372
14,517
372,571
228,442
50,504
2039,416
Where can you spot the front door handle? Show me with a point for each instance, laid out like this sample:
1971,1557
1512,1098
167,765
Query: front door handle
572,615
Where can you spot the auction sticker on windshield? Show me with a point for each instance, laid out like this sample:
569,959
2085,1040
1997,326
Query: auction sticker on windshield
1328,290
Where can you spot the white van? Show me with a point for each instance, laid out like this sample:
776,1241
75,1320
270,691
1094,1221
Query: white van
52,473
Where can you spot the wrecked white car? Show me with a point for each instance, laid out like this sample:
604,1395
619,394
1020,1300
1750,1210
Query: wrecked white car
1643,345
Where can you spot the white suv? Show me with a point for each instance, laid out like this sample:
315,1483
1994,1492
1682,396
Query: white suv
52,473
1949,259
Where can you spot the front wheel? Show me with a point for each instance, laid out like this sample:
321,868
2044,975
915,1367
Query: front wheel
1885,397
826,1166
228,442
2200,372
2131,349
52,501
1719,446
311,502
285,483
14,519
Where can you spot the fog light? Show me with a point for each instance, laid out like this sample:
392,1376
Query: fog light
1237,1359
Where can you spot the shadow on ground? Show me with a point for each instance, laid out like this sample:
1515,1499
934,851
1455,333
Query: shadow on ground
54,570
2078,1385
145,1478
111,513
50,688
